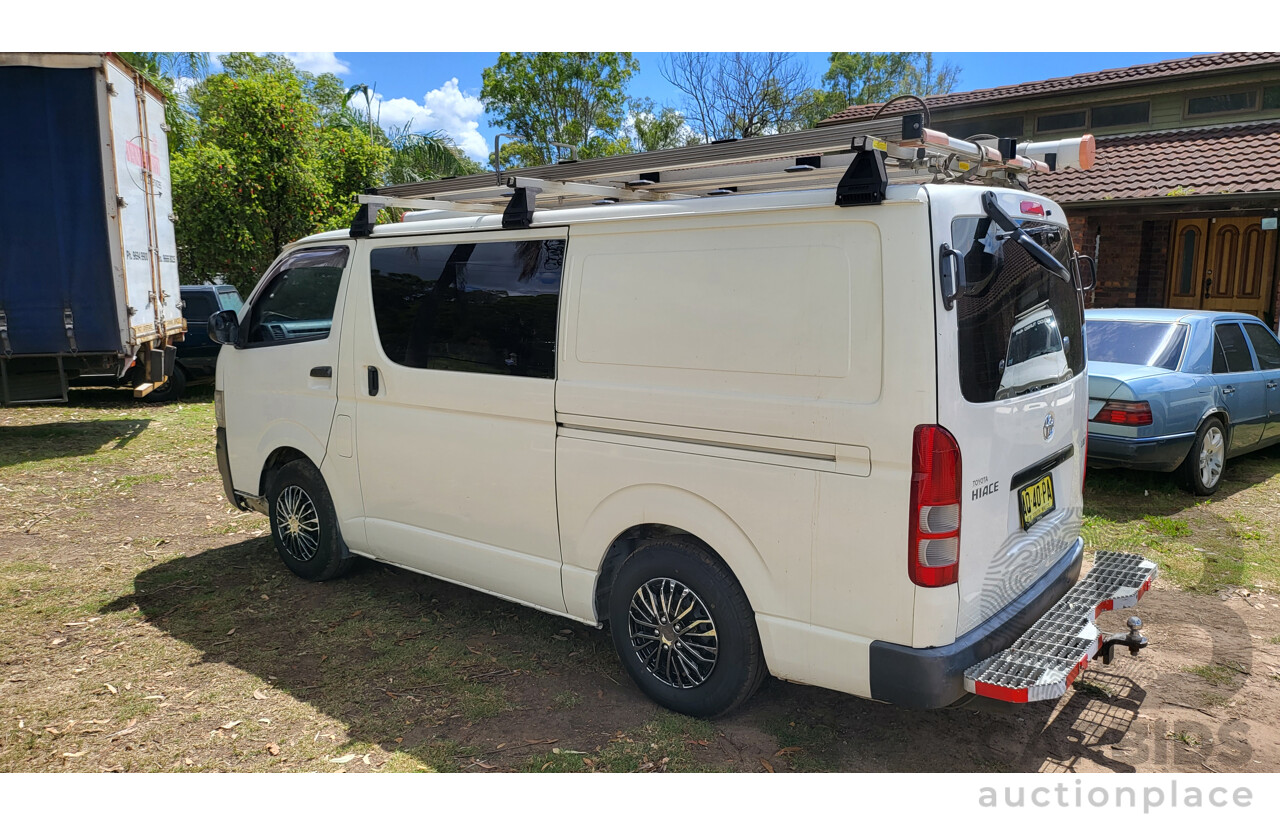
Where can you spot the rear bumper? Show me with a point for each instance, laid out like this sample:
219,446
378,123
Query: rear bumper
934,677
1162,453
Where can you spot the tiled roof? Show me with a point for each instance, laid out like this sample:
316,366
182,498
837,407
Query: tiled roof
1214,160
1181,67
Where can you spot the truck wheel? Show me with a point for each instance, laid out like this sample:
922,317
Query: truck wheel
1201,471
304,524
171,390
684,629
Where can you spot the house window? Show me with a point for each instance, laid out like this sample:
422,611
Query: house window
1243,101
1120,114
1062,121
1010,126
1271,97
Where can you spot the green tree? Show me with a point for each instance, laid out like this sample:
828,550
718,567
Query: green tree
262,170
858,78
575,98
658,128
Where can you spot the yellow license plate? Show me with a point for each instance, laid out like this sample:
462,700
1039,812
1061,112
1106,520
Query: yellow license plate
1035,501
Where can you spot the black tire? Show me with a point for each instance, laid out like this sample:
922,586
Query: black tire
738,665
1209,450
304,525
170,390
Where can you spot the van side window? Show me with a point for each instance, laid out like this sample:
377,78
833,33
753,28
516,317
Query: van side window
298,300
474,307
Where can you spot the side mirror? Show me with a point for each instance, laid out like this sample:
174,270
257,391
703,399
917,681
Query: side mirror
1087,286
224,327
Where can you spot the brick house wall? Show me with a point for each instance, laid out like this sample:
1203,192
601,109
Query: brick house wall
1132,257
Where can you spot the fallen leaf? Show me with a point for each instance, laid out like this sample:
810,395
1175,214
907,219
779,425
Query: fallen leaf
258,694
399,739
77,753
154,696
57,642
229,725
113,690
273,749
342,760
785,751
232,630
701,742
366,760
766,764
368,631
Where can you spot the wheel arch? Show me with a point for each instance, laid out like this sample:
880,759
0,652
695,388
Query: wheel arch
625,520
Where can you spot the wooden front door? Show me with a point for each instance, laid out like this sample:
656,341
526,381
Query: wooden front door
1222,264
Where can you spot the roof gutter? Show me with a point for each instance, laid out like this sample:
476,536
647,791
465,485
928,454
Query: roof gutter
1172,200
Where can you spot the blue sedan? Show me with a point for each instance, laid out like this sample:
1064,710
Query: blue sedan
1180,391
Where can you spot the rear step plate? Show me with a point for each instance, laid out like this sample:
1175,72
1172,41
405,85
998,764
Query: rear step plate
1048,657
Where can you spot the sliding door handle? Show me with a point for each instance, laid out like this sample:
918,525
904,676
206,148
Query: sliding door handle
322,372
373,380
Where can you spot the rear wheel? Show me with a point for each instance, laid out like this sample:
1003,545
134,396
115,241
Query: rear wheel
1201,471
684,629
170,390
304,525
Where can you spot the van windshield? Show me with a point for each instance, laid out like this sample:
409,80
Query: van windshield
1019,323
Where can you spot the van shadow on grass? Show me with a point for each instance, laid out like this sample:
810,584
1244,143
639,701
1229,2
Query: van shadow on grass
404,661
66,439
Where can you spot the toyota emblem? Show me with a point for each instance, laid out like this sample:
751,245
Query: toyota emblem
1048,426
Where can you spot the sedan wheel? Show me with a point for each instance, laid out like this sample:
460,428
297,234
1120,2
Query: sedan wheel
1201,471
1213,452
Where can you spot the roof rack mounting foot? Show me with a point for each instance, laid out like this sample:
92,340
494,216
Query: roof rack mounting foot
865,181
519,211
366,218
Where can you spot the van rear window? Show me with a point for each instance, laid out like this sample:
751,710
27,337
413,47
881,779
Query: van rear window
1019,324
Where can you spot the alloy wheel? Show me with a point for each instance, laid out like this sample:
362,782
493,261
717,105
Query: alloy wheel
672,633
297,523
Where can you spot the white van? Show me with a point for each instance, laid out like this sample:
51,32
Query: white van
742,431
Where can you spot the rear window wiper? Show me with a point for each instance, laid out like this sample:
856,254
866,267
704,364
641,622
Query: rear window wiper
1042,255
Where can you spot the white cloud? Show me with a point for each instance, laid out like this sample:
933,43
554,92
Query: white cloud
318,62
447,109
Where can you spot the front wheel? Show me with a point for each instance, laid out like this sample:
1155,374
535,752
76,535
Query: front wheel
304,525
684,630
1201,471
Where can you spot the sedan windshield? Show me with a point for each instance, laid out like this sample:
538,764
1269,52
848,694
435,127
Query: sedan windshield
1145,343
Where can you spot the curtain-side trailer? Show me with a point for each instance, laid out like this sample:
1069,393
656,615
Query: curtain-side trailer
89,289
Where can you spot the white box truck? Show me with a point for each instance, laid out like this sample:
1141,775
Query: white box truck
89,265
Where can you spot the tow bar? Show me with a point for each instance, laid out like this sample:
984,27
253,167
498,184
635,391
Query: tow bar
1047,658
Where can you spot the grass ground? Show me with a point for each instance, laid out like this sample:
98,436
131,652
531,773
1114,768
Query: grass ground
145,625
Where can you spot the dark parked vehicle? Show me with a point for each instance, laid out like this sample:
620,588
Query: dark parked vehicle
1180,391
197,355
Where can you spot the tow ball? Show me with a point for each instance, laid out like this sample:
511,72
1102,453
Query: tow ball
1133,640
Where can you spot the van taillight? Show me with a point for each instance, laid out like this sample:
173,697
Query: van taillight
933,555
1131,413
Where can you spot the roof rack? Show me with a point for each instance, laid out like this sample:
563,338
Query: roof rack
858,159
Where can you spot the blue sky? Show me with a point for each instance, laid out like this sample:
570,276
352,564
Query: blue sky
438,90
